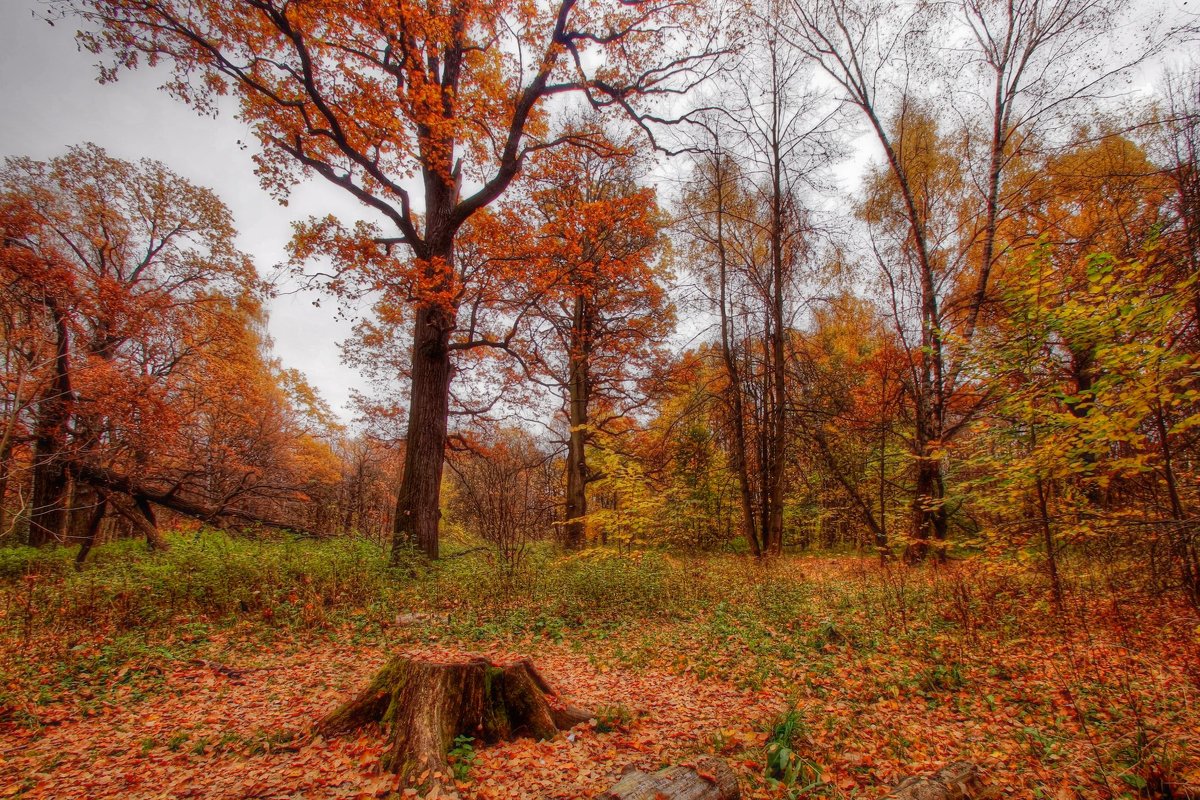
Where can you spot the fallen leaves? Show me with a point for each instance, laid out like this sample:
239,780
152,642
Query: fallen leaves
1041,707
207,734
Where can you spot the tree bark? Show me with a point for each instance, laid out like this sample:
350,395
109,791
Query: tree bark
93,529
729,359
426,705
418,502
774,467
48,513
710,779
141,516
930,522
5,470
578,390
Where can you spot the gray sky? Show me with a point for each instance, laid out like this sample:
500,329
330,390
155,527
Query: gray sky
51,100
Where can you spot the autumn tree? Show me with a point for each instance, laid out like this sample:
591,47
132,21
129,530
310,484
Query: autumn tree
1054,454
423,112
1019,72
120,264
749,221
846,375
252,436
685,449
1174,144
595,333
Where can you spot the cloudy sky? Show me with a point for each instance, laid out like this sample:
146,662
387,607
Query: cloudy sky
51,100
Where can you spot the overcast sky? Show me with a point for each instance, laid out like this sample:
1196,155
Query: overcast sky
51,100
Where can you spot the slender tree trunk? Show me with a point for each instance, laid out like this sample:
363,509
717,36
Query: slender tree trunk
1048,544
578,390
732,373
48,505
5,470
881,540
777,423
1183,536
1082,371
93,529
418,500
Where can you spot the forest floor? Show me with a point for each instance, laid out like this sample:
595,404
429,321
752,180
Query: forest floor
880,673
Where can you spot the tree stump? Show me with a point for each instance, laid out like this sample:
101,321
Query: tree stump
710,779
958,781
424,705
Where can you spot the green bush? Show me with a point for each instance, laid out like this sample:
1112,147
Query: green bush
209,576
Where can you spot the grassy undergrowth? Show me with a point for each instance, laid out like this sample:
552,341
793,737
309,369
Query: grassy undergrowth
880,668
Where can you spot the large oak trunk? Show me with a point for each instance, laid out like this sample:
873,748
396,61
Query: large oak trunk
418,501
426,705
48,504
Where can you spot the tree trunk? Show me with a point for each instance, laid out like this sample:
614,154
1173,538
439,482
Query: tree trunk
776,424
930,524
5,470
578,390
48,514
958,781
710,779
141,516
418,502
93,529
426,705
732,373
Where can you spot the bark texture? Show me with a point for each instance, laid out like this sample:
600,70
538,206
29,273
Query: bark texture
48,512
424,705
579,391
958,781
710,779
418,500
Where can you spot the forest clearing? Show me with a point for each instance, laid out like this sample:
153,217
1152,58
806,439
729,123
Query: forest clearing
879,673
613,399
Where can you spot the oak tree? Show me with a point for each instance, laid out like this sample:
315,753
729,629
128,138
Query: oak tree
425,112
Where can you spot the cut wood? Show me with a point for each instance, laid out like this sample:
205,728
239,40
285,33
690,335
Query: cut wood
425,705
958,781
709,779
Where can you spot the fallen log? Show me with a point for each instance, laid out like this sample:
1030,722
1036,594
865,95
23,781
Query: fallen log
958,781
143,494
709,779
426,705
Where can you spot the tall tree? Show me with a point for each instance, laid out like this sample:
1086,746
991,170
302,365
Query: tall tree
596,332
748,220
405,106
123,262
1019,72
